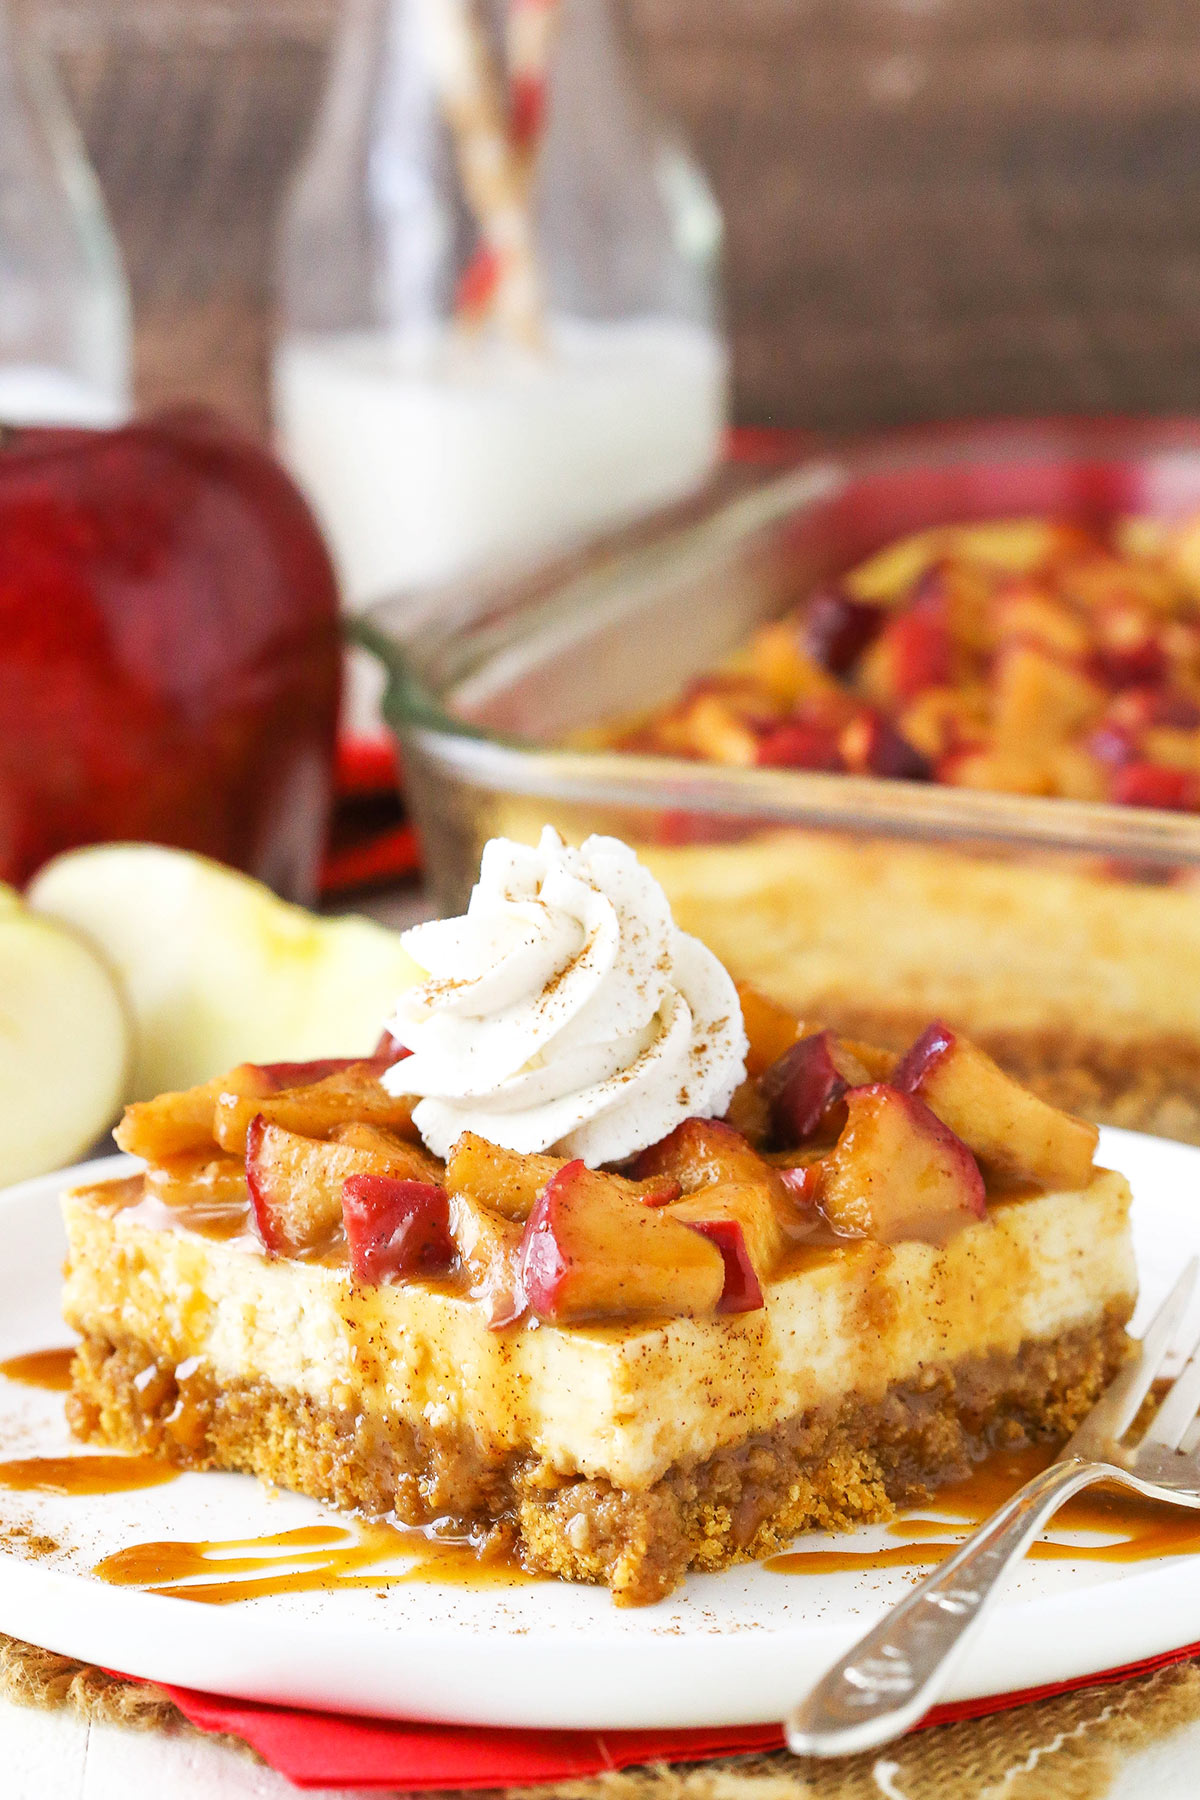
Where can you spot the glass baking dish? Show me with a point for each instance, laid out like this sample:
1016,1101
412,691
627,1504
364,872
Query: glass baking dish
1064,935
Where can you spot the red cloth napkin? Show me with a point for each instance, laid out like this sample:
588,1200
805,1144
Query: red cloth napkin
316,1750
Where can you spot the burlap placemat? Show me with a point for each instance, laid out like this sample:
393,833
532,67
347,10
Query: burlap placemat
1067,1748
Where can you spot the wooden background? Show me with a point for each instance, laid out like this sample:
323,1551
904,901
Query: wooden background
933,206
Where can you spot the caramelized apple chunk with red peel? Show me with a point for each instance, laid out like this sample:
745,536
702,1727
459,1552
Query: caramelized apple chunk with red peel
805,1088
295,1186
510,1182
282,1076
752,1207
898,1172
871,745
914,651
489,1253
1009,1129
296,1181
801,744
593,1252
178,1123
395,1228
700,1151
837,629
349,1096
742,1291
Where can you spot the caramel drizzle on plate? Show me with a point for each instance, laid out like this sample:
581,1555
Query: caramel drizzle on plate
71,1475
309,1559
49,1369
1138,1530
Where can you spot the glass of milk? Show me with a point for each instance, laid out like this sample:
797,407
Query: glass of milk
64,308
498,296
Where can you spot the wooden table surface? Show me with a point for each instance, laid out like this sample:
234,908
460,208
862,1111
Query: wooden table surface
934,207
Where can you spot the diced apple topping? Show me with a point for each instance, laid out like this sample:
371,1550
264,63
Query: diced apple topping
751,1206
511,1182
175,1124
296,1181
395,1228
700,1151
741,1292
284,1075
593,1252
898,1172
489,1252
837,629
352,1095
804,1089
395,1155
943,657
1009,1129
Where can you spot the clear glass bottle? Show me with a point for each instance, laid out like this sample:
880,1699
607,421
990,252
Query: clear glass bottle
498,315
64,307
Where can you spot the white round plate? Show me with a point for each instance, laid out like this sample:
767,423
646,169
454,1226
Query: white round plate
734,1648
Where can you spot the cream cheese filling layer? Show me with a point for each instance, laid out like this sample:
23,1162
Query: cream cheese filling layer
621,1402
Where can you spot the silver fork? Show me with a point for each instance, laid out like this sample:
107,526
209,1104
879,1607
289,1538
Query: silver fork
894,1674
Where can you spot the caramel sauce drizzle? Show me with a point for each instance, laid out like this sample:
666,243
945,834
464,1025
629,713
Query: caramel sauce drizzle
310,1559
1139,1529
49,1369
71,1475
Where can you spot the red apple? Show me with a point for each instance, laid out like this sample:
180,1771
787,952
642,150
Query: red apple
697,1152
353,1095
295,1186
169,660
801,744
284,1075
509,1181
871,745
395,1228
741,1292
804,1088
838,629
801,1183
1003,1124
915,650
389,1050
898,1172
1157,785
757,1208
295,1181
592,1252
1141,707
1130,651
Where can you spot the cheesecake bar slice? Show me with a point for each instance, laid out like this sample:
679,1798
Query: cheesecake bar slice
802,1317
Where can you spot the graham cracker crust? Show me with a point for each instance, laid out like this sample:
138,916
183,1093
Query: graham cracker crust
829,1469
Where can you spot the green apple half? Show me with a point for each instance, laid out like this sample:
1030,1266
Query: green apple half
64,1044
216,969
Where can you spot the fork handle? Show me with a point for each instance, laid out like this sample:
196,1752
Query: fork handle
893,1675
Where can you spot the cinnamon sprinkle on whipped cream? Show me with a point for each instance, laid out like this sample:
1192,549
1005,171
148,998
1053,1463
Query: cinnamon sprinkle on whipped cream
565,1010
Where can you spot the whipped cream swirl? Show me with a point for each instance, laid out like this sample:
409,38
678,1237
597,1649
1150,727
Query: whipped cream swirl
565,1010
